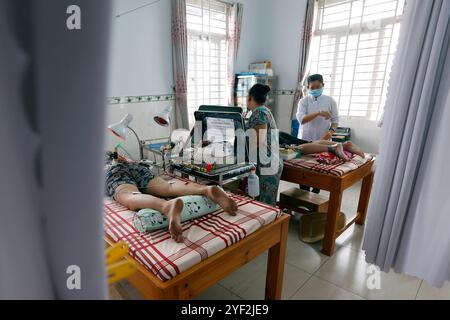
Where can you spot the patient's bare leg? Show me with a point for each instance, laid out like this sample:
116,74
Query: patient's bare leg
129,196
348,146
161,188
311,148
325,142
323,146
353,148
338,150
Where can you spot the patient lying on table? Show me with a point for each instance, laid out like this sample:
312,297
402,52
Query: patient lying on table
133,185
332,147
328,146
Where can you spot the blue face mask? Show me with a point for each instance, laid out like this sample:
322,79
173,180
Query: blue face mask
316,93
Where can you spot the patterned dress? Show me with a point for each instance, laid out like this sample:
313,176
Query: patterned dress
268,183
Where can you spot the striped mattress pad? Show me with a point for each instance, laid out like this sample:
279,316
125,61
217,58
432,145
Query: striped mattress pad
340,168
204,237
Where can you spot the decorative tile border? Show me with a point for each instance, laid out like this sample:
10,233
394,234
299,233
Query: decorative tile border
167,97
141,99
285,92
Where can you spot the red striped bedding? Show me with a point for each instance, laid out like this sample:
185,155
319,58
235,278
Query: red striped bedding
339,168
204,237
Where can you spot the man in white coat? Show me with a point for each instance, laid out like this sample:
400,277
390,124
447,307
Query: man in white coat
317,114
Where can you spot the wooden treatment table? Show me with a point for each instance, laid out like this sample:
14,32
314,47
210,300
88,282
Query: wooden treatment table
336,185
187,285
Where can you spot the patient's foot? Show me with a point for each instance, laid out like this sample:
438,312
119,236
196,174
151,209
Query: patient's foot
353,148
172,209
338,150
219,196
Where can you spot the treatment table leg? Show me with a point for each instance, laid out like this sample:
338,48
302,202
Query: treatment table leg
275,265
364,198
334,209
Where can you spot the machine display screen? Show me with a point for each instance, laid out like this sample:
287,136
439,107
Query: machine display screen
220,130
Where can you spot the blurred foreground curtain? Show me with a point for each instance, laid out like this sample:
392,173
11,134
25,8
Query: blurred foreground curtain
180,62
409,213
304,53
53,91
234,18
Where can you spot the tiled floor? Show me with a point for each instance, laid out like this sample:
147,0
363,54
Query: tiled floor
311,275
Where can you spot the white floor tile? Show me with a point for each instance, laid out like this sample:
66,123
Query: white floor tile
427,292
349,270
217,292
352,238
294,278
318,289
126,291
307,258
246,275
350,200
294,225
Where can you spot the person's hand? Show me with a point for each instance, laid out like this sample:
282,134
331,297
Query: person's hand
327,115
122,159
327,136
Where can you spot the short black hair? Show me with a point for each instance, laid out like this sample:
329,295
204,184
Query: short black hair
259,93
315,77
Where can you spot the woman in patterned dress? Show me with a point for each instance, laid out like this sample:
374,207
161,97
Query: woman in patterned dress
263,144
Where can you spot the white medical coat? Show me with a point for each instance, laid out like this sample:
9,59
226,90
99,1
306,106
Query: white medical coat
317,128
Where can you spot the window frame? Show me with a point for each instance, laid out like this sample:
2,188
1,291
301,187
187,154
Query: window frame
218,40
378,86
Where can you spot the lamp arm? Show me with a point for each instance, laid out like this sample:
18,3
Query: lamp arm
170,129
141,150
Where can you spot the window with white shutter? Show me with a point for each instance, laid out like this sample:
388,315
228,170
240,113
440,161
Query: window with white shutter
353,47
207,53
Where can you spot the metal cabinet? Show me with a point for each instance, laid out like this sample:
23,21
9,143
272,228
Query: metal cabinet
244,82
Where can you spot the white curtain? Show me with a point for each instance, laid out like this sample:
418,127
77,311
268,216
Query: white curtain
306,37
180,62
234,20
53,91
409,213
